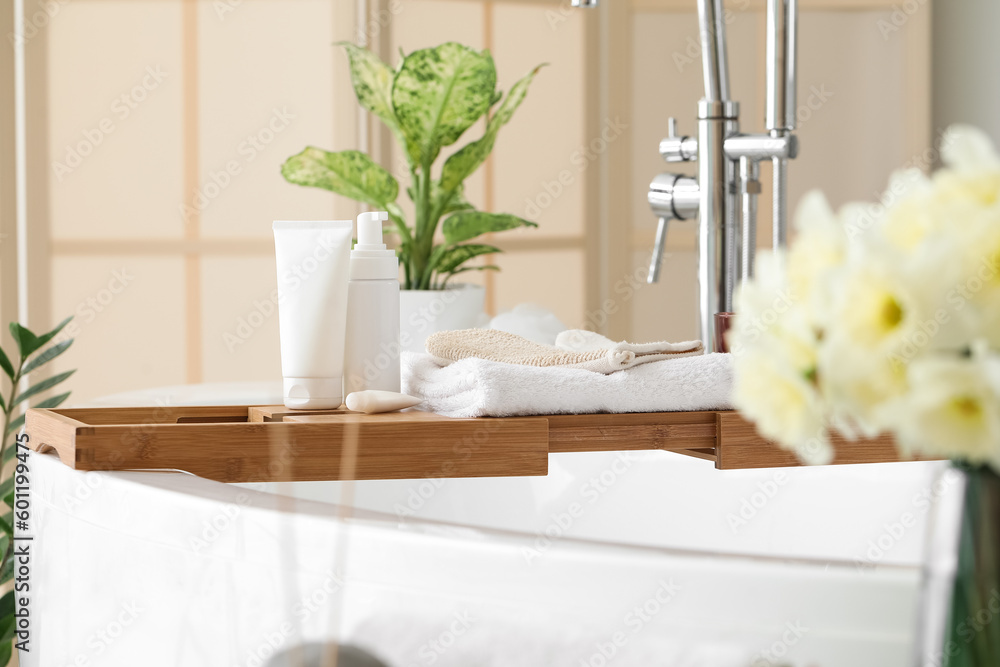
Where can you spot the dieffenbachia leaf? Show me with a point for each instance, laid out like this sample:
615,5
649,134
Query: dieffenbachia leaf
349,173
372,80
487,267
454,257
461,164
449,201
438,94
47,356
38,388
470,224
399,219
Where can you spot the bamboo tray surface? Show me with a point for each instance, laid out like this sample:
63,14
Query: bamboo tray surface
273,443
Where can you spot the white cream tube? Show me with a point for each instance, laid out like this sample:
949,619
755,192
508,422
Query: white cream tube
313,261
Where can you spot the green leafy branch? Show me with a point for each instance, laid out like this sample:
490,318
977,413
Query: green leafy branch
32,354
428,102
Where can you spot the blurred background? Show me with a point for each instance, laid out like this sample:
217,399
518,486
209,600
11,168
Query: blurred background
145,164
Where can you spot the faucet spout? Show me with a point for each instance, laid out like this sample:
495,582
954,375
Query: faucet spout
584,3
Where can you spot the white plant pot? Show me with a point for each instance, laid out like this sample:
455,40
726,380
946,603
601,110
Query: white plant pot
423,312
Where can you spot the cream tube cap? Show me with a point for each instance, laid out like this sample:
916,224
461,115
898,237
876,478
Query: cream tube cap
314,393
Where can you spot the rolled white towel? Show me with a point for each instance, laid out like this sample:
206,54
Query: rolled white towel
475,387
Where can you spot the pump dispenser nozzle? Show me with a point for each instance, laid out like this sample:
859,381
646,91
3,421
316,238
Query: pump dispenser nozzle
370,259
370,230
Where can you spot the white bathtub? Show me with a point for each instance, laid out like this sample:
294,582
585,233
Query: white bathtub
646,560
176,570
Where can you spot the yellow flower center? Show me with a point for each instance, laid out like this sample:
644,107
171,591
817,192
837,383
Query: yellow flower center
892,313
967,408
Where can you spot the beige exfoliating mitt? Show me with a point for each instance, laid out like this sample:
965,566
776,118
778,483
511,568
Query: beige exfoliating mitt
575,348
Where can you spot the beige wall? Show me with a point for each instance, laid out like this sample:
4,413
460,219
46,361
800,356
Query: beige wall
156,291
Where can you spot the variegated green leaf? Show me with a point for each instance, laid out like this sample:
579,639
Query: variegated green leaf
454,257
449,201
487,267
438,94
372,80
349,173
399,219
461,164
470,224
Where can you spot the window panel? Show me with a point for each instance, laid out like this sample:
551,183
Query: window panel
240,319
114,120
128,322
265,69
541,156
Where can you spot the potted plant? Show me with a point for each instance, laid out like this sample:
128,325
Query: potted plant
30,354
428,102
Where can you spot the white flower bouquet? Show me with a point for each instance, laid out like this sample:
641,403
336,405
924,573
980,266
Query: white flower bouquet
883,318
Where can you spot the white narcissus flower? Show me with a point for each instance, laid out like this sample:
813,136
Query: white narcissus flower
972,179
857,385
867,326
952,410
774,350
784,405
976,292
820,247
771,320
876,307
912,215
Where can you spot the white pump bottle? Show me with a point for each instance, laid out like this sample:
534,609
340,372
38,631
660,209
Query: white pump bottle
372,348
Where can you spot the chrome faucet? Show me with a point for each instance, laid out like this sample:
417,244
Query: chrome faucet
724,196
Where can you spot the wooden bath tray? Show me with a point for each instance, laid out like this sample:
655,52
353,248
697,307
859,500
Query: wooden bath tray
272,443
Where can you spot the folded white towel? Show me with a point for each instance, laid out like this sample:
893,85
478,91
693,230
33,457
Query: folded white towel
480,388
575,348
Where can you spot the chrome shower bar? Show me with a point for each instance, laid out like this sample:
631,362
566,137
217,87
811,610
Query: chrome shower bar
724,196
